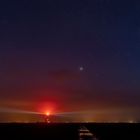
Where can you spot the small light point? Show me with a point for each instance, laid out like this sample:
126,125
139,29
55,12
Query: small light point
81,68
47,113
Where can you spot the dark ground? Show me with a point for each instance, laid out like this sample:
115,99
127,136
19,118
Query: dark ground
69,131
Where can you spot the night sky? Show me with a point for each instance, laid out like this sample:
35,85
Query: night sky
70,56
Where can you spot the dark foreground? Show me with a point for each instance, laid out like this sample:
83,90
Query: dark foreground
68,131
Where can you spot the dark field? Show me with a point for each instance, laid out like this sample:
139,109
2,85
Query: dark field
68,131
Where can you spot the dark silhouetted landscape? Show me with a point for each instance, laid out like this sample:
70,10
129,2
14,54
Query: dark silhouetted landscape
68,131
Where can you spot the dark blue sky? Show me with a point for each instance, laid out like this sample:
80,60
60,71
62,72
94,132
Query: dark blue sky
44,43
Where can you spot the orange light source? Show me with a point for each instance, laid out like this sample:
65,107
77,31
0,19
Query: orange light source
47,113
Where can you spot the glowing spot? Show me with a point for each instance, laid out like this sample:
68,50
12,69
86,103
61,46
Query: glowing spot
47,113
81,68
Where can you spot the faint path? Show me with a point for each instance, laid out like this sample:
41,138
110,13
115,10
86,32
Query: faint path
85,134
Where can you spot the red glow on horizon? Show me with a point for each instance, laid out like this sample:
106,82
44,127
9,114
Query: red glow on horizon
46,109
47,113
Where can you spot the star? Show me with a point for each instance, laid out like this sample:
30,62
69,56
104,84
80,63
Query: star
81,68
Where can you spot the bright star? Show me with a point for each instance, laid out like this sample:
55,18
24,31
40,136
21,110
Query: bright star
81,68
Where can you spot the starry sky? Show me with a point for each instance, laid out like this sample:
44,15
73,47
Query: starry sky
44,44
